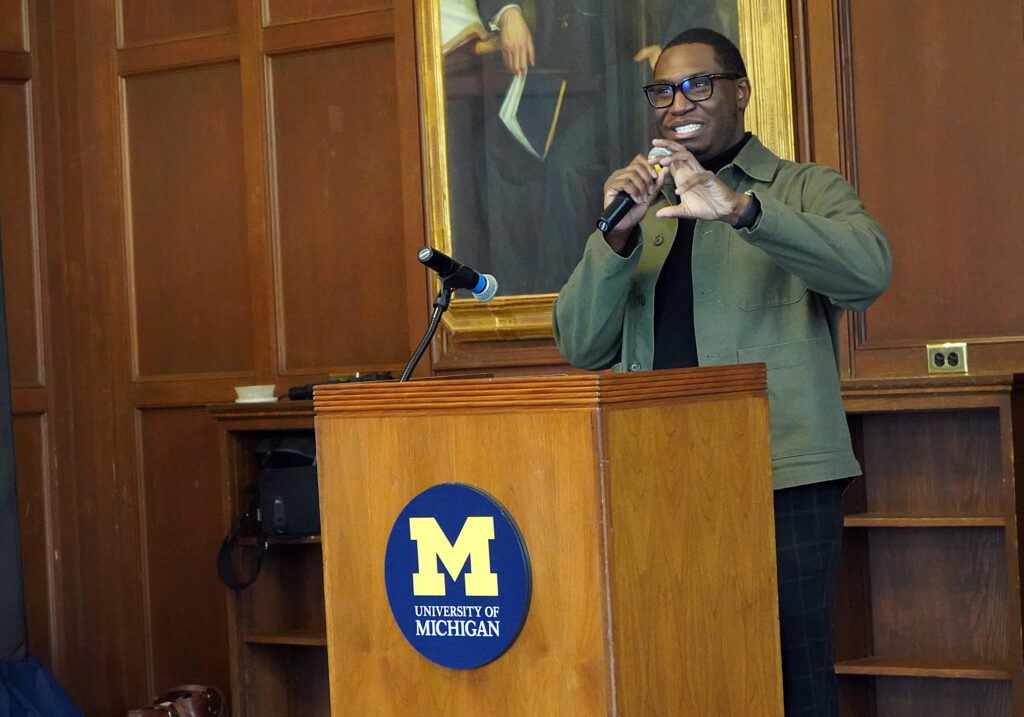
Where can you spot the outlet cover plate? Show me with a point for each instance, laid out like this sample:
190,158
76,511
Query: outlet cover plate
949,357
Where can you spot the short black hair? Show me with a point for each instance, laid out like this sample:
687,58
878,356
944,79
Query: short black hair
725,50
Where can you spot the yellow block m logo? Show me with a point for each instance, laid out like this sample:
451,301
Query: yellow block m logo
473,542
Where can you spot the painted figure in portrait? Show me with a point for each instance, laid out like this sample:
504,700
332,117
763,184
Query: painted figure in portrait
540,107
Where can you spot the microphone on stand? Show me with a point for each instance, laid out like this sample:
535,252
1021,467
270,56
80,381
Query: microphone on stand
453,276
459,276
622,202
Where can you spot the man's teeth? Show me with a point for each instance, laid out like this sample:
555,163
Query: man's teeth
682,129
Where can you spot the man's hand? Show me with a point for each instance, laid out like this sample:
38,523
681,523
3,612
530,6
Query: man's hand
702,195
642,182
516,41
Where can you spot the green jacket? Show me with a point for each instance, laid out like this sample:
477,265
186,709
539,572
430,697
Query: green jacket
772,295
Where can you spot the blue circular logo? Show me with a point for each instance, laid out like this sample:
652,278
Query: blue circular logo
457,576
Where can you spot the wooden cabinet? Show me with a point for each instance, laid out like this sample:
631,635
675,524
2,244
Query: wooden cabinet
928,607
929,603
278,634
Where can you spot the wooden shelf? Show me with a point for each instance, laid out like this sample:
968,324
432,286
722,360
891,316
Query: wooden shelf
954,669
284,540
307,639
294,540
277,634
931,549
883,520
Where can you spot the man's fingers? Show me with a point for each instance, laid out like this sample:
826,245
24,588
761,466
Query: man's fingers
519,57
634,189
673,211
670,145
644,166
638,182
693,180
659,179
514,59
680,158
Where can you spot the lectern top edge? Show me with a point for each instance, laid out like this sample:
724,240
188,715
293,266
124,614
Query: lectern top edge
588,390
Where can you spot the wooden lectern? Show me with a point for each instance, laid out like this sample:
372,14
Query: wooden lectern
645,502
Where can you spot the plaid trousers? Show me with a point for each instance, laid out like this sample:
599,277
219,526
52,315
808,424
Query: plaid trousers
808,535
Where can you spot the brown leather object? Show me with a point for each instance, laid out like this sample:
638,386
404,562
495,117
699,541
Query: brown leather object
186,701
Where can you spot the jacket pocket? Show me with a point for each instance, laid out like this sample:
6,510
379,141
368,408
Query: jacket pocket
756,281
806,410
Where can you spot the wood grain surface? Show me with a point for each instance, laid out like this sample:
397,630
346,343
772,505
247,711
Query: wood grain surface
647,520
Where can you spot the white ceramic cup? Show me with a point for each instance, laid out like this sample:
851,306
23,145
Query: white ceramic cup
255,394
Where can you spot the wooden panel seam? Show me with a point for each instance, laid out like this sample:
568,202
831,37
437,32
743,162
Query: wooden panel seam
33,182
210,49
143,546
342,30
920,341
170,38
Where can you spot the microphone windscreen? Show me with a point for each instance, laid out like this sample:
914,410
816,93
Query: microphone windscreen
489,290
658,152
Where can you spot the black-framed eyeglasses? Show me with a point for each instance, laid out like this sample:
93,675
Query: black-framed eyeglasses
696,89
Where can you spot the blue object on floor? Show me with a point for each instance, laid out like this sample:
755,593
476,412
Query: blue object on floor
28,689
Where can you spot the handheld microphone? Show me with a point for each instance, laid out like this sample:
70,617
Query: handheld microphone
458,276
622,203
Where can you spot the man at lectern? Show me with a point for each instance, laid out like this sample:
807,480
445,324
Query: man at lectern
725,253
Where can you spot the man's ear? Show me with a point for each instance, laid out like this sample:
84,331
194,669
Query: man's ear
742,92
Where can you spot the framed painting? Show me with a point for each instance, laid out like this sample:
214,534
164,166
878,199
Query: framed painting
515,161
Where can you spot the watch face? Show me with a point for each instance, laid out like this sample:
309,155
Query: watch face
749,215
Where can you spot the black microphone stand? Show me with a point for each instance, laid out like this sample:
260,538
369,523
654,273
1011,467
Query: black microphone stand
444,298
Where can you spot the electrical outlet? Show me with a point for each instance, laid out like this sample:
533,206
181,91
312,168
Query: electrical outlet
947,358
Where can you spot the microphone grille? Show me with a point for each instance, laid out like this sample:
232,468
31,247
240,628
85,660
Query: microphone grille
490,288
658,152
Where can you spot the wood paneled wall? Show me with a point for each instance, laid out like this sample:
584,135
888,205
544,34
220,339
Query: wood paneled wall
918,104
194,195
948,170
197,194
30,237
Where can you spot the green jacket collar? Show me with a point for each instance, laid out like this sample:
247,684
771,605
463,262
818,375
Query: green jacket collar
755,160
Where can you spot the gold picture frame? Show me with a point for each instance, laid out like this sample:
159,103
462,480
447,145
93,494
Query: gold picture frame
764,44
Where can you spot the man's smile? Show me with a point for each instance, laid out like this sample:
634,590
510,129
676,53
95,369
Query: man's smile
685,130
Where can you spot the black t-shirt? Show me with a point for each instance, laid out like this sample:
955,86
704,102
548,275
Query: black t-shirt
675,344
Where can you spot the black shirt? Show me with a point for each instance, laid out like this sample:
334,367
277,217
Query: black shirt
675,344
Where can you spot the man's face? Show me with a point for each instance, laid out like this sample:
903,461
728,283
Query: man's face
709,127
